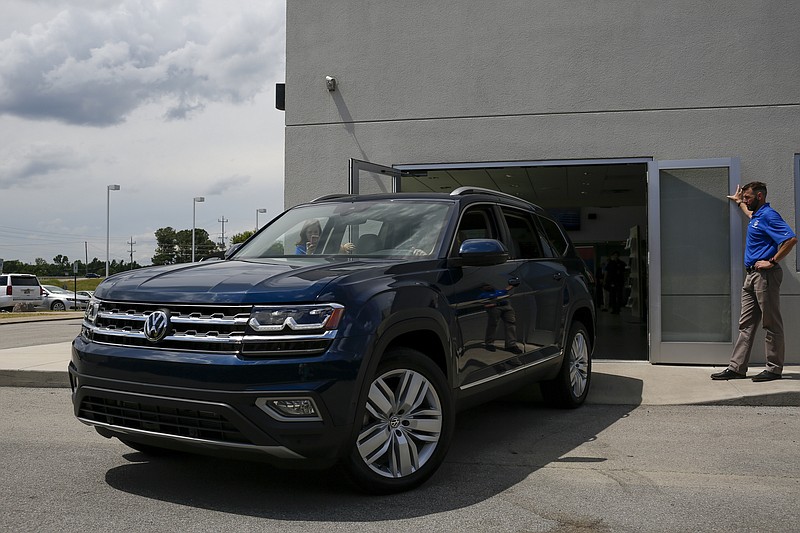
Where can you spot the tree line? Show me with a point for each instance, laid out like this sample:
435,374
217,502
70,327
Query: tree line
172,247
62,266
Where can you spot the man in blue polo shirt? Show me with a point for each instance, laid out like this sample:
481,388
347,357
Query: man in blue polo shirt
769,239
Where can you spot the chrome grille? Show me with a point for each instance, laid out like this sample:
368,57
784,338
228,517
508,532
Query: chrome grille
199,328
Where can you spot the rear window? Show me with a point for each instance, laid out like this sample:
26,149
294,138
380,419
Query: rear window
24,281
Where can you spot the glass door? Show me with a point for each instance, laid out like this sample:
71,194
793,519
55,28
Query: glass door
371,178
695,260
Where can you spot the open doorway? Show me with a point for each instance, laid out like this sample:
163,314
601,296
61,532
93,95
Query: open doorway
603,206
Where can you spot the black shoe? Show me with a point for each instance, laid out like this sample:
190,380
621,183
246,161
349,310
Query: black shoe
728,374
766,375
514,349
490,347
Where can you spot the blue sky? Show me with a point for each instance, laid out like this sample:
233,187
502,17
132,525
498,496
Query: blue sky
169,99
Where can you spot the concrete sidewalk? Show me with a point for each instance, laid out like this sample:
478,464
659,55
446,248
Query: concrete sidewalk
613,382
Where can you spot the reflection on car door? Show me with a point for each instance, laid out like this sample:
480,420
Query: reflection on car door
489,303
543,277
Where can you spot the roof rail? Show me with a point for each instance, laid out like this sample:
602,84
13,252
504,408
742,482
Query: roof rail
482,190
331,196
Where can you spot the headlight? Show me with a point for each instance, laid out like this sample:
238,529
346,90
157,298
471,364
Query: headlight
296,318
91,311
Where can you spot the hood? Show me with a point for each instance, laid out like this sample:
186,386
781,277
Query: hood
226,282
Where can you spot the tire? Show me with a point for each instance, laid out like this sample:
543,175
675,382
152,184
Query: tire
570,388
58,305
404,427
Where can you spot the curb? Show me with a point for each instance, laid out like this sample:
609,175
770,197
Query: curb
597,396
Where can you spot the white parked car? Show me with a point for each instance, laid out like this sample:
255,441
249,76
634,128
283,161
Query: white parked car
19,288
58,299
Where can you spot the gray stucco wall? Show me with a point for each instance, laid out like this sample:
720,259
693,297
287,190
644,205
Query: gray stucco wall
459,81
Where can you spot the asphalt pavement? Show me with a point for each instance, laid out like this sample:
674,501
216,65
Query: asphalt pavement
613,382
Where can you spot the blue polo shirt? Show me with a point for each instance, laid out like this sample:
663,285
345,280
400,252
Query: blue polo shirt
765,232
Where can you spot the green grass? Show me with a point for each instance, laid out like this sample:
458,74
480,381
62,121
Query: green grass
88,284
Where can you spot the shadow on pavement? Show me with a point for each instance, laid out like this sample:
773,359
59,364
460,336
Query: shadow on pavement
615,389
495,447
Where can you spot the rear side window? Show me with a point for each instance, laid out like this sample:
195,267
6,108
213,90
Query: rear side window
24,281
3,280
525,243
555,237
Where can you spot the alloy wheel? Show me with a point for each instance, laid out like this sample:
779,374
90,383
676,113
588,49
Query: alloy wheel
579,364
402,424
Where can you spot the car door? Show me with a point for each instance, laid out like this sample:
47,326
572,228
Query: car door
542,276
488,303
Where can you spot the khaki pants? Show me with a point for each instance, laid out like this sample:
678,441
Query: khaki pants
760,303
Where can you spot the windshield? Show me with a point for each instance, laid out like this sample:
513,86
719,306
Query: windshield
53,288
380,228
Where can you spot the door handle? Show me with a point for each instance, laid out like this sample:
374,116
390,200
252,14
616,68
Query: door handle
557,276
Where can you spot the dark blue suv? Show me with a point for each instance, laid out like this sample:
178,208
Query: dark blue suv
349,331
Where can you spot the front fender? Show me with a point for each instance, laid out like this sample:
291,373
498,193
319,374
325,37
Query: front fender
403,316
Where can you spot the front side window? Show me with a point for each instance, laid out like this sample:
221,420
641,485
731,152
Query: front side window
380,228
475,223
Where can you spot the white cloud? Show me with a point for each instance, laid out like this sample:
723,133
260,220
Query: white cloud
169,99
91,66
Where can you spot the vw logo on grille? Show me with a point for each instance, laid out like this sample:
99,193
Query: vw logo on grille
156,326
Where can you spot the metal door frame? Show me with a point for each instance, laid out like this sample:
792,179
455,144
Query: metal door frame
357,165
690,352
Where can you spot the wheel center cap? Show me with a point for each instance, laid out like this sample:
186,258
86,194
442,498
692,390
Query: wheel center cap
394,422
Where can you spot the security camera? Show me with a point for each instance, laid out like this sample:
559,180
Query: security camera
330,83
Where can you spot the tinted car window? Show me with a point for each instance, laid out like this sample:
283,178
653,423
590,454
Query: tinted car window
475,223
24,281
525,243
554,237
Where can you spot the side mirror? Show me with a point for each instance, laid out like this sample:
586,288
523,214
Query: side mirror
481,252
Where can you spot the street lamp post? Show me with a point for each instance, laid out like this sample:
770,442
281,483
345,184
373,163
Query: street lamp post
261,210
108,220
196,200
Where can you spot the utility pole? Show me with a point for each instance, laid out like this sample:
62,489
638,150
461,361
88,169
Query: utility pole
131,243
223,220
86,251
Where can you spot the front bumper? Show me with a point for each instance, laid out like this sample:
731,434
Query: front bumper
210,404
